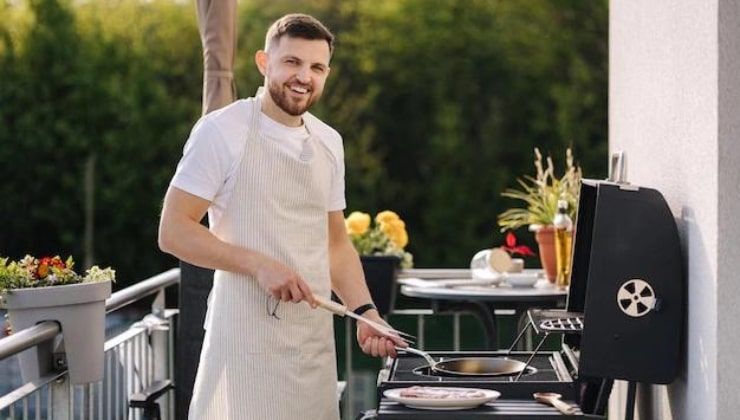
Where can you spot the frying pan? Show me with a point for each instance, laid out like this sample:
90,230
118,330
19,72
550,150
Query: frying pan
471,366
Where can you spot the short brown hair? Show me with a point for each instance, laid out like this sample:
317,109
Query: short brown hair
298,25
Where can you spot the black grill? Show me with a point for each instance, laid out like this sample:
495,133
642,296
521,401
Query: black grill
628,282
548,372
624,315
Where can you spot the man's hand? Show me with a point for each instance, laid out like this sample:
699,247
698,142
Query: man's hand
374,343
283,283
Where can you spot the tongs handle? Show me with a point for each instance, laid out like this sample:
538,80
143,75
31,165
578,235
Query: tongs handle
330,305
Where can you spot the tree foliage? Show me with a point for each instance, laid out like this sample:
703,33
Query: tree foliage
440,103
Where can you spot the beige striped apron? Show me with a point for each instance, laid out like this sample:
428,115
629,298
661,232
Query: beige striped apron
254,366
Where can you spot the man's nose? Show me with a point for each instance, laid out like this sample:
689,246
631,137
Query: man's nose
304,75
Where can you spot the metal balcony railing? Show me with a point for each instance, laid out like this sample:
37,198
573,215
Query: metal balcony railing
142,356
134,360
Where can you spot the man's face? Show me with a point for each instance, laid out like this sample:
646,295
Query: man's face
295,73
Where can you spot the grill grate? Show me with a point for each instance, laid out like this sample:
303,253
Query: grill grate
562,324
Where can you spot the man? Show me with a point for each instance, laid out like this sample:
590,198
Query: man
271,177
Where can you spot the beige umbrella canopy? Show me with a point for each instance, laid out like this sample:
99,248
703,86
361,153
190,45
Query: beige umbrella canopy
217,25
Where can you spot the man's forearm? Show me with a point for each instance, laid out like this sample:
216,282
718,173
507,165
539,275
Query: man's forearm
195,244
348,279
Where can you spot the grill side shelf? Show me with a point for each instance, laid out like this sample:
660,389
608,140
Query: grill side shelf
556,321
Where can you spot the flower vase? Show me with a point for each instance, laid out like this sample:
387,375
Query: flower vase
381,272
546,240
80,311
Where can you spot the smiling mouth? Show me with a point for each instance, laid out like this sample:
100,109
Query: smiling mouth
298,89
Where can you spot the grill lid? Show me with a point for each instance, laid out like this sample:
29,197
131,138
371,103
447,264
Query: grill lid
627,279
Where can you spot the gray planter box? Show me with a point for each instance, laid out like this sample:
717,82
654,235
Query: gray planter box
80,311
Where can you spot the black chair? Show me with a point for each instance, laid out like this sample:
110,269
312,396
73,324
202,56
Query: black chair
147,399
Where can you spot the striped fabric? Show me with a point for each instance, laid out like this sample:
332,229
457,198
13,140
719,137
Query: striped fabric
253,365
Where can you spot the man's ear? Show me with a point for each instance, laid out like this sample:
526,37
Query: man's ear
260,59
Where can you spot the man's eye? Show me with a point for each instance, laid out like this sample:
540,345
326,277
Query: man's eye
291,61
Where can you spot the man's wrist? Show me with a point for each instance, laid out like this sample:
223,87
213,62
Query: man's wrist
364,308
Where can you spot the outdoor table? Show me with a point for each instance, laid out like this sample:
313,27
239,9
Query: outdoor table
480,301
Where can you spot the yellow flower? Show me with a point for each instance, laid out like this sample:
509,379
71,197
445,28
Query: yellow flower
391,226
386,236
395,230
401,239
357,223
386,216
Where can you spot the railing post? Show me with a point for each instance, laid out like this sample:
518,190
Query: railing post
61,399
159,304
159,338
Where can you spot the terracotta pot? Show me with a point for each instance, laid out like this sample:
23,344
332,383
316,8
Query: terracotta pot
546,240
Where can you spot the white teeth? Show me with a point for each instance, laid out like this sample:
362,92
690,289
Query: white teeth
298,89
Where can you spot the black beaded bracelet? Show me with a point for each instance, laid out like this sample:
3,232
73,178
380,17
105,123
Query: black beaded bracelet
364,308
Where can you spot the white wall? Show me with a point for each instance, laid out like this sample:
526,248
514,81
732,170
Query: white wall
674,108
728,270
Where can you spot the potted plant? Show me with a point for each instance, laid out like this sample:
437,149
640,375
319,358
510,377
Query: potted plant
540,195
381,248
48,289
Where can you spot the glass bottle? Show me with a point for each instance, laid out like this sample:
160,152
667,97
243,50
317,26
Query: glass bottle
563,244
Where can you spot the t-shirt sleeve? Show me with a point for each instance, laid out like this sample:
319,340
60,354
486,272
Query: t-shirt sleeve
337,199
205,162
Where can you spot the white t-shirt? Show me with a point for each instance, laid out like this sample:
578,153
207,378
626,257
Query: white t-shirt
214,149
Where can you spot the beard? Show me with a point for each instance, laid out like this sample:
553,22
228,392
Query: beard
278,93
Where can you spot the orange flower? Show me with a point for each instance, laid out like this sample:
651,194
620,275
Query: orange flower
42,270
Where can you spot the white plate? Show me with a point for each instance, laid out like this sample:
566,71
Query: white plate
523,279
443,404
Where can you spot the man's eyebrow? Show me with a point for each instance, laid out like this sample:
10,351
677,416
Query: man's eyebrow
291,56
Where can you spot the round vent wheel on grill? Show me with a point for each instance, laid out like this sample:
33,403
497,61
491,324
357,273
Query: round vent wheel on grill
636,298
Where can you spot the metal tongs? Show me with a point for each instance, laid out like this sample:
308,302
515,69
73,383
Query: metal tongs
341,310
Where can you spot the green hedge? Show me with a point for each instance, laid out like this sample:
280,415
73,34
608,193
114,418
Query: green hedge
440,104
